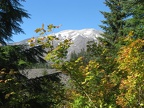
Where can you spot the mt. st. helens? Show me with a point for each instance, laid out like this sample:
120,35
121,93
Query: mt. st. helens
79,38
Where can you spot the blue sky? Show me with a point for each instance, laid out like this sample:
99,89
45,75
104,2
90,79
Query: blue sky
72,14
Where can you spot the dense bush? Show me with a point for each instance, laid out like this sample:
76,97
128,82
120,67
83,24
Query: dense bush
108,75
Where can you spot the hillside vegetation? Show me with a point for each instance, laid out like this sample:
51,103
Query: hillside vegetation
109,74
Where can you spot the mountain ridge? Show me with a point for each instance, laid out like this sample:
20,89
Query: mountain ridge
79,38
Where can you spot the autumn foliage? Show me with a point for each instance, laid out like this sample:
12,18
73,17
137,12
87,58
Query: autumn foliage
131,63
110,74
113,81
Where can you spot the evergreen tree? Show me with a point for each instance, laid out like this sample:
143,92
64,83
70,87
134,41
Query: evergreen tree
16,91
135,19
20,56
123,18
114,23
15,56
11,15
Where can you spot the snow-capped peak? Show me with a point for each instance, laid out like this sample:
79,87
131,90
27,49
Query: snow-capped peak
72,34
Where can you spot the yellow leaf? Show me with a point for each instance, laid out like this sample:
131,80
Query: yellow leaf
7,96
38,30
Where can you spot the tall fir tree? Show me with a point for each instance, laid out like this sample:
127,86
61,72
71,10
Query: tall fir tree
114,21
123,18
13,57
11,15
135,17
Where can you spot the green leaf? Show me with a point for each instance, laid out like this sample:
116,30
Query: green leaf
21,62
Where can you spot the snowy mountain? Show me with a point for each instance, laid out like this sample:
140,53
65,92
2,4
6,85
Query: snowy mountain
78,37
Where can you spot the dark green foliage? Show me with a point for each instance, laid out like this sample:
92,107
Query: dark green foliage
46,65
11,15
135,19
41,92
84,54
17,91
19,56
123,17
114,23
46,91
